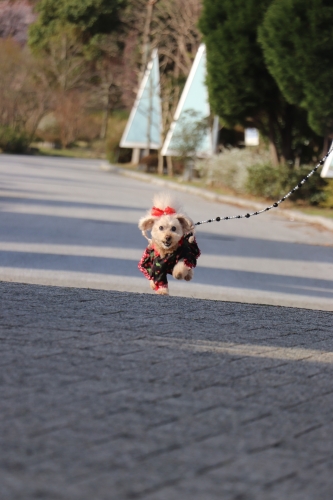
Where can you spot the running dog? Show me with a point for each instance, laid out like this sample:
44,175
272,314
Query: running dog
172,248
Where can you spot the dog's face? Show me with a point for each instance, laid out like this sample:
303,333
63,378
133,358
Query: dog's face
166,232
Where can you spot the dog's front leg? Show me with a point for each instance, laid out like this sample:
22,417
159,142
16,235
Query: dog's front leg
189,275
181,271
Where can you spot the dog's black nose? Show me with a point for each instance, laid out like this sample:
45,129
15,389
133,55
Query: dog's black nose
168,238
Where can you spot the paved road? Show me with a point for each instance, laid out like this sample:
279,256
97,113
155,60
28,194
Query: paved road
119,396
66,222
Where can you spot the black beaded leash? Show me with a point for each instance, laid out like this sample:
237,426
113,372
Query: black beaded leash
276,204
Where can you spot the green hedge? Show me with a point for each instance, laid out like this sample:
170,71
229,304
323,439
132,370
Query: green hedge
274,182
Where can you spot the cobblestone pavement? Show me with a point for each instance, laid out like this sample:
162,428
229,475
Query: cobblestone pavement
111,395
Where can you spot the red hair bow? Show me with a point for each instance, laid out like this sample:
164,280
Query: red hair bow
157,212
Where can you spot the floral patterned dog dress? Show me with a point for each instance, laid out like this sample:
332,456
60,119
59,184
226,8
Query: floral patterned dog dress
156,268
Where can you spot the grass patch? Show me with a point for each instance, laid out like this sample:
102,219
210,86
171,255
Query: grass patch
321,212
70,153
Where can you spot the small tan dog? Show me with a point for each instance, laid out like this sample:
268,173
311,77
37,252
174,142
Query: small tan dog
172,248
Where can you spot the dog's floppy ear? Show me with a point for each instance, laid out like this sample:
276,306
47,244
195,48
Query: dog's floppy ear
146,222
186,223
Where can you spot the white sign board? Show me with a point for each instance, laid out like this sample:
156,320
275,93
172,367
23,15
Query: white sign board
251,137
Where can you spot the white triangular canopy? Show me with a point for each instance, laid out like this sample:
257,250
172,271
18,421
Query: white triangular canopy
327,170
193,98
144,126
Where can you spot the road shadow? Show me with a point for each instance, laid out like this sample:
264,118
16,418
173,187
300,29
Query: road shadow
65,203
62,230
205,276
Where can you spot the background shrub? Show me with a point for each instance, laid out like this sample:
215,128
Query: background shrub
230,168
13,141
267,181
274,182
250,171
328,203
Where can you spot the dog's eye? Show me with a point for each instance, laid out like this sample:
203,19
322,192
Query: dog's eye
161,228
173,228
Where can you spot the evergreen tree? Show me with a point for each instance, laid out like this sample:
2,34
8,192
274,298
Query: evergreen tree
90,17
242,90
297,41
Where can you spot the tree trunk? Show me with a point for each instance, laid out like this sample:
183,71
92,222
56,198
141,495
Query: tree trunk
272,144
160,166
287,155
63,77
169,166
325,144
106,112
188,172
104,126
35,125
146,38
105,119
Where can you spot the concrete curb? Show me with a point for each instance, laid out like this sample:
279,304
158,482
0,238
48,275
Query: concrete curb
208,195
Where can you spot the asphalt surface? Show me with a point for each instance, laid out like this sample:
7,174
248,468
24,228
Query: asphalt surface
66,222
114,396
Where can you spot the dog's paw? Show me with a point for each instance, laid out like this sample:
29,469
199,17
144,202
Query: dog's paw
180,270
162,291
189,275
152,285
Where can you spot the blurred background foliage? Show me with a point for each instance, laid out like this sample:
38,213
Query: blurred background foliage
70,70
